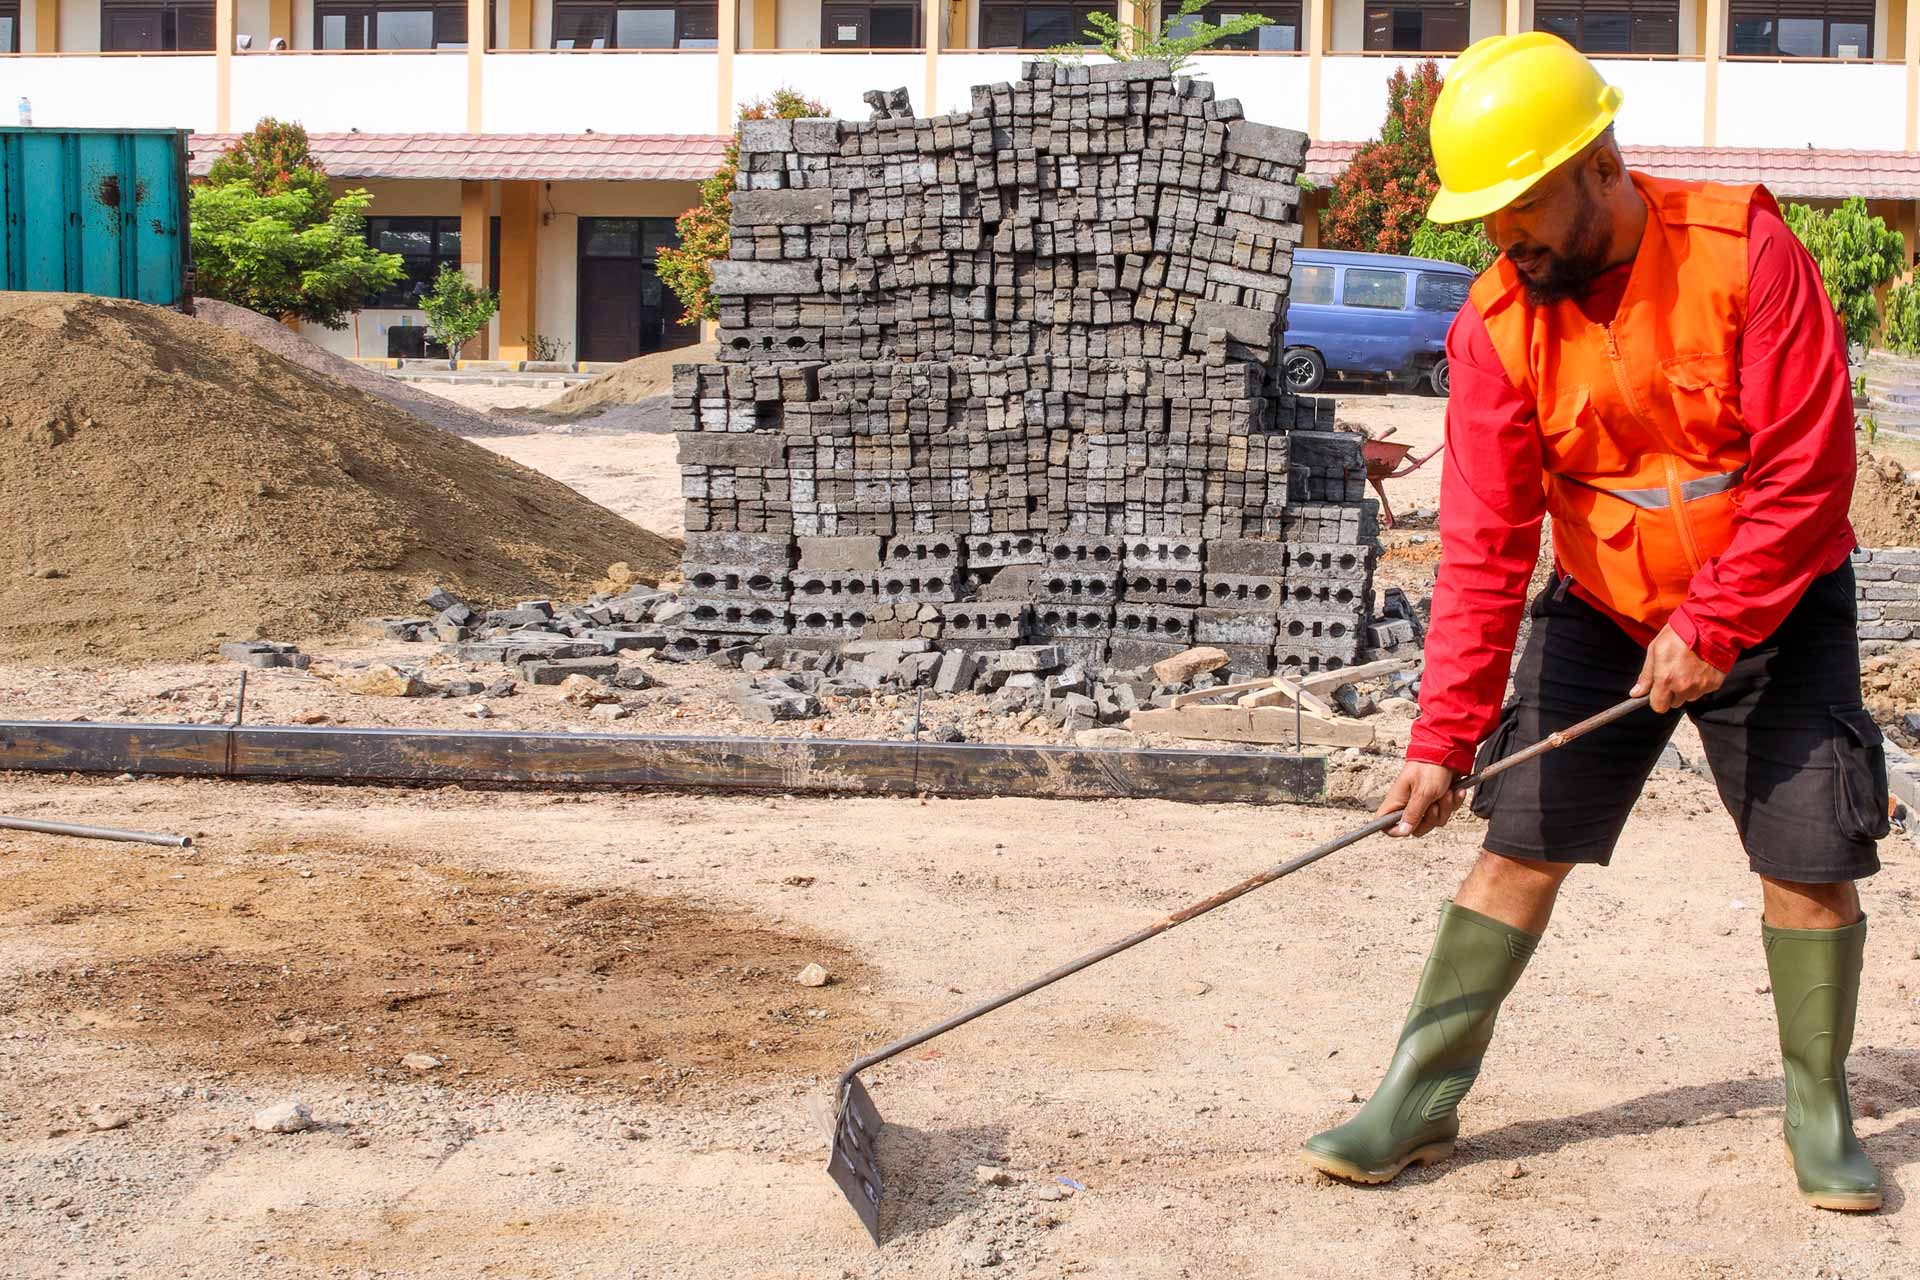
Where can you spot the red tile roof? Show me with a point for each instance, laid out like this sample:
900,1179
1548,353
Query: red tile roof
1798,172
542,157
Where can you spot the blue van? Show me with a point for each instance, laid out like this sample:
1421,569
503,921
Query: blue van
1374,315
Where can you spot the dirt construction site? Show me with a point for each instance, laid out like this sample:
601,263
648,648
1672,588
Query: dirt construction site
558,1032
541,799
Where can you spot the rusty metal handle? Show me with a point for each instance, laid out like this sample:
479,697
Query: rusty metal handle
1551,742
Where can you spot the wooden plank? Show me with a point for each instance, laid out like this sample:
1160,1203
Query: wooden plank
1252,724
1286,693
1220,691
802,765
1328,681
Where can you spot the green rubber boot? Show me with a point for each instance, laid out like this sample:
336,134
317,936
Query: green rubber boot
1412,1116
1816,987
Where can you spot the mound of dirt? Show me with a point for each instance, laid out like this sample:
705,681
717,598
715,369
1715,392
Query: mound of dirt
289,345
165,484
1886,507
636,380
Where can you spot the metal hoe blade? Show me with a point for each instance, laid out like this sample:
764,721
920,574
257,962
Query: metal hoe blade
853,1162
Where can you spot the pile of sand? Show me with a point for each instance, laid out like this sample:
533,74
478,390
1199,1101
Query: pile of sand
284,342
165,484
1886,506
640,379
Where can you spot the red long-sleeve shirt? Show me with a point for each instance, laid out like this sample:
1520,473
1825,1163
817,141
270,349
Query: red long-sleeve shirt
1797,401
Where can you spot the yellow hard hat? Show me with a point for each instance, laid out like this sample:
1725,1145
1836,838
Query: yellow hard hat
1513,109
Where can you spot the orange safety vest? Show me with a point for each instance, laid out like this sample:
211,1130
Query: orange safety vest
1643,443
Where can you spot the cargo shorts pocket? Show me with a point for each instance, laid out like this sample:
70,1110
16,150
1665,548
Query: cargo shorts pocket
1860,775
1495,748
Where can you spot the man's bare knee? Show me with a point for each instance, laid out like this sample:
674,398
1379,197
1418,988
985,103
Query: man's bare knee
1515,891
1791,904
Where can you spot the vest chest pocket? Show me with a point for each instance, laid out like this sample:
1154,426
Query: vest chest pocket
1575,437
1705,394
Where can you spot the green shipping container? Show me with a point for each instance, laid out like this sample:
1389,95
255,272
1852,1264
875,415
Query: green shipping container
95,211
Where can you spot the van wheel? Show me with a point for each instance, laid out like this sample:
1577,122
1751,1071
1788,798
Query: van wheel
1304,369
1439,378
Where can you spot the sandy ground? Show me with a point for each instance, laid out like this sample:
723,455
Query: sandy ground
621,1068
621,461
627,1069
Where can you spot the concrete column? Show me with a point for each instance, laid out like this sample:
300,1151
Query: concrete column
519,24
1910,50
1713,47
280,20
932,13
226,14
476,207
1512,24
766,24
729,44
477,42
519,265
1319,15
46,27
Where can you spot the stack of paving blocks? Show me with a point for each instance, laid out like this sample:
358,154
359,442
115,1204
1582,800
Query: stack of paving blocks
1887,594
1012,375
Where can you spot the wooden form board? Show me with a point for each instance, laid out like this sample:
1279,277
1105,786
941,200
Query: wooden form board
1234,723
851,766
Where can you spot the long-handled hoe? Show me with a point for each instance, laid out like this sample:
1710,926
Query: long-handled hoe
853,1161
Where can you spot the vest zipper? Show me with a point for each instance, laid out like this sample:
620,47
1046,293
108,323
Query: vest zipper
1676,500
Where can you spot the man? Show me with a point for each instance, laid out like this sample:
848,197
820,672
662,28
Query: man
1656,364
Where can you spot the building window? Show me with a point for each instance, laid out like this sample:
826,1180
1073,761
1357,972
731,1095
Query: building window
1417,26
155,26
9,26
389,24
1006,25
1614,26
605,24
424,244
1280,35
870,26
1800,29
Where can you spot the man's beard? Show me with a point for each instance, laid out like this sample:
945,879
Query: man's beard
1570,274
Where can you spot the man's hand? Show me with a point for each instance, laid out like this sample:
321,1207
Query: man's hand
1673,674
1426,792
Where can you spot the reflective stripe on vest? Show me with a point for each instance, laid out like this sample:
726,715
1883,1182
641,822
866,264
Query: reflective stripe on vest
1658,499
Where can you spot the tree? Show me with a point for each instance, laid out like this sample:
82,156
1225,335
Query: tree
269,234
1857,253
456,309
687,270
1902,334
1176,39
272,254
272,158
1465,243
1382,198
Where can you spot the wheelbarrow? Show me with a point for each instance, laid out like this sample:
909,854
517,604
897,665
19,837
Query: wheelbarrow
1383,457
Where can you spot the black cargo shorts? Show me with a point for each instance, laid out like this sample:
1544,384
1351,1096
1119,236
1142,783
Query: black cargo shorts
1798,761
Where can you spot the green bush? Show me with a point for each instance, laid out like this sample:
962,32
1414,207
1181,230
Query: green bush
1856,252
1176,38
1902,332
272,254
1465,243
457,309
